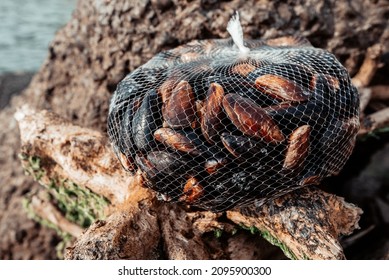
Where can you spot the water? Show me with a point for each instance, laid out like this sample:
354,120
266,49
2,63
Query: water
26,29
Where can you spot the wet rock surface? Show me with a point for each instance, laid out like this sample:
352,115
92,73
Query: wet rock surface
105,40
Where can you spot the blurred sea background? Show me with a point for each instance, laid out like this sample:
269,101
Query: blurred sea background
26,29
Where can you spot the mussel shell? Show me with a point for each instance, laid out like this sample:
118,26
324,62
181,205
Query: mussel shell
243,147
335,145
146,167
127,89
114,123
323,91
310,180
242,86
337,95
199,83
298,74
168,163
146,120
215,163
192,191
187,142
281,88
166,89
126,141
125,148
289,116
180,110
213,114
159,177
298,148
230,84
251,119
331,80
243,69
127,162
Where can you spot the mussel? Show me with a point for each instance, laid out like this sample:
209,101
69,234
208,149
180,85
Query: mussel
281,88
298,148
212,113
251,119
187,142
215,163
180,110
243,147
192,191
296,74
146,120
242,69
168,163
166,89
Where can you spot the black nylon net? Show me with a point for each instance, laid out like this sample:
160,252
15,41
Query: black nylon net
213,127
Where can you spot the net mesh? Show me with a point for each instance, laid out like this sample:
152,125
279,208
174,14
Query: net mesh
214,128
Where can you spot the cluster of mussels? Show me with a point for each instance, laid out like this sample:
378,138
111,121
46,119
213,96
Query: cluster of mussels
216,131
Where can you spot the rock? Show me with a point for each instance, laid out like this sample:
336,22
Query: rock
105,40
12,84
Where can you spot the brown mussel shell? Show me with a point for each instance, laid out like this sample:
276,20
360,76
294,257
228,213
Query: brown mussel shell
251,119
298,148
243,69
192,191
180,110
212,113
166,89
280,88
178,141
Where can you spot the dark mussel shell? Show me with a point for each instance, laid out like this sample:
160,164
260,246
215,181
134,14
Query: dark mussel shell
212,114
159,176
243,147
146,167
146,120
115,121
173,171
333,82
289,116
336,144
251,119
168,163
126,143
216,160
127,89
231,188
337,94
180,110
324,90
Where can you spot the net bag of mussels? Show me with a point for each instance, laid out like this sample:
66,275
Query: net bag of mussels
224,123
